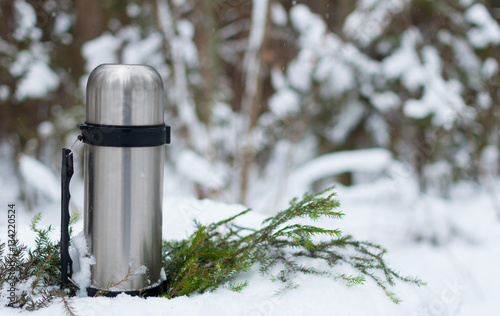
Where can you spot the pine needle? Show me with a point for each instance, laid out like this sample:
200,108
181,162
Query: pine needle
214,254
209,258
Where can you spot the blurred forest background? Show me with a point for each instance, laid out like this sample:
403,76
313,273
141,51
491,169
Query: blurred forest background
258,89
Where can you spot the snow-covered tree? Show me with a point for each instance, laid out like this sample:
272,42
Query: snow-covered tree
257,89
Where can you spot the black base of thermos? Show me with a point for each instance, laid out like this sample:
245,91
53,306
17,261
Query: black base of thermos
151,291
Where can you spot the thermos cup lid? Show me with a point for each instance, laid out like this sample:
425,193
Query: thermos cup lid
124,95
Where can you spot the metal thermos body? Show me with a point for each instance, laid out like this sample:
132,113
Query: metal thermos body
124,185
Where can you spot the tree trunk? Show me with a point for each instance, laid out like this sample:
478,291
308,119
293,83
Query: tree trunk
252,97
90,23
207,50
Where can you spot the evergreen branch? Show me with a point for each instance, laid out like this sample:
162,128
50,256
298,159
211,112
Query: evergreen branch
238,287
111,285
216,256
353,279
67,307
34,222
217,252
230,219
41,271
36,270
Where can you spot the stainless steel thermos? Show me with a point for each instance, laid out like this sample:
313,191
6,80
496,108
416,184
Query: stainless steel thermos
123,138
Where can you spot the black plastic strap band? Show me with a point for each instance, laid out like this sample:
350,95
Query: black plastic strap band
124,136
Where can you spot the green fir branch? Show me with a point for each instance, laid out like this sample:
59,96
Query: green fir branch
35,270
209,257
216,253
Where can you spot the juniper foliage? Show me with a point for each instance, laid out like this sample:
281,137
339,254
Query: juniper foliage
216,252
34,273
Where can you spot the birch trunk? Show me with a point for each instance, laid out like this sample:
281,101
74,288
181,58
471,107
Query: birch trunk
252,96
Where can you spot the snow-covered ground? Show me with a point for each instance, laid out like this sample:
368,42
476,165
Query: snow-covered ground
452,244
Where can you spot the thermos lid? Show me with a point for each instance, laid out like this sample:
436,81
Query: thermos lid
129,95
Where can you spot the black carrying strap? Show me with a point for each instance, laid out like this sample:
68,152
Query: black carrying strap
66,174
124,136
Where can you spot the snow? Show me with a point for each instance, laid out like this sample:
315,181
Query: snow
285,102
451,243
465,55
466,3
81,262
379,129
62,23
4,92
299,71
385,101
133,10
40,177
489,156
251,60
306,22
178,3
487,30
340,80
490,68
441,98
259,12
199,170
141,270
278,14
278,78
26,22
180,94
186,44
45,129
185,28
458,250
370,18
404,63
39,80
347,121
140,52
365,160
311,27
484,100
100,51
